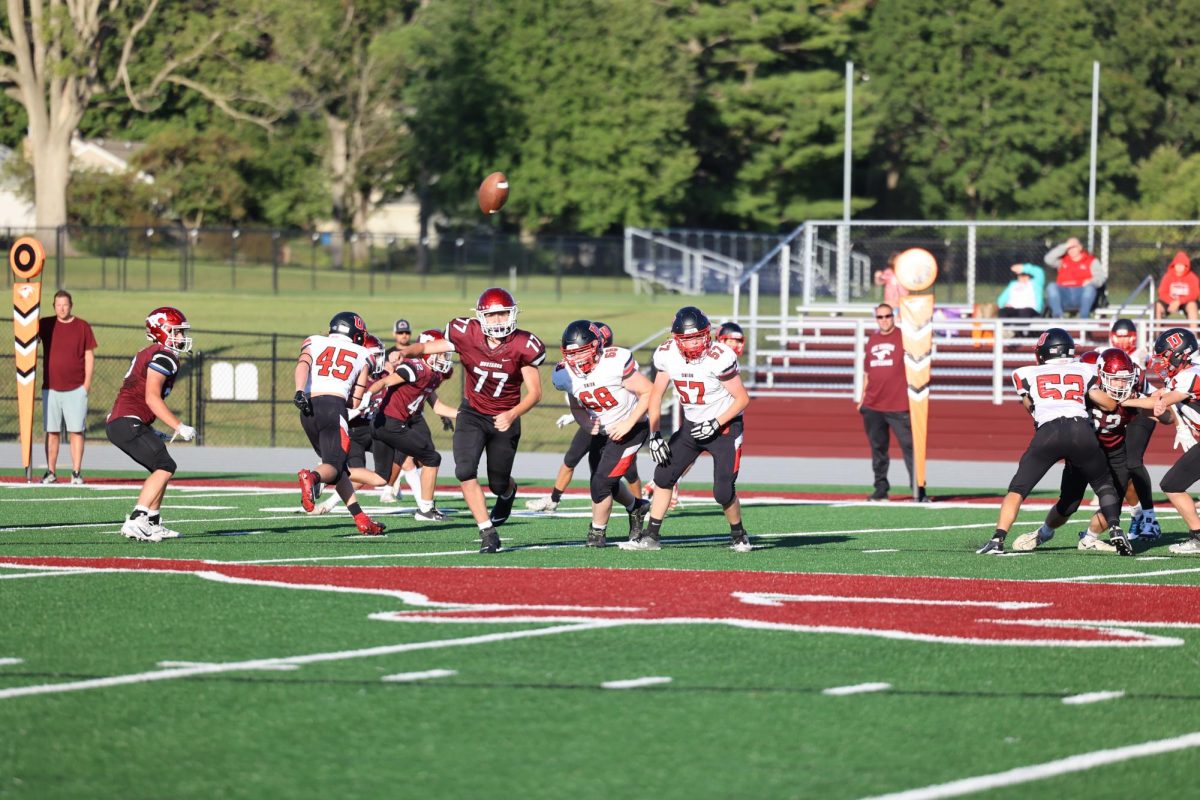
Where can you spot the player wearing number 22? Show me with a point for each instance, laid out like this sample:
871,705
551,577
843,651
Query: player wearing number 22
497,358
711,394
331,375
139,402
1055,392
605,389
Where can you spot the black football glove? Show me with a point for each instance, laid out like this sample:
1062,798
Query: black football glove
703,431
447,424
302,402
660,451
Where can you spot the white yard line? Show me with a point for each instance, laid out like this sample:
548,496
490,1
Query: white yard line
1154,574
1091,697
636,683
858,688
10,662
1050,769
312,658
409,677
48,574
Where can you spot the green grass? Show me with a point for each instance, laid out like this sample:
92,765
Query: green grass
743,716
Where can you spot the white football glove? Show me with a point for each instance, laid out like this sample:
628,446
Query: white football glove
703,431
660,451
1184,440
361,409
564,420
185,432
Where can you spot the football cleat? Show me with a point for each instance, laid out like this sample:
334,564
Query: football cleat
542,504
76,479
140,530
503,508
645,542
163,532
740,543
49,478
387,495
1030,541
489,541
637,518
1090,541
368,527
432,515
994,547
1145,527
596,538
1117,538
310,489
1190,547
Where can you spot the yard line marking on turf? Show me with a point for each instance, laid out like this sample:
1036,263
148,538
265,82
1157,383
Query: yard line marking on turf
200,508
117,523
1152,558
1155,574
858,688
773,599
274,667
363,557
409,677
50,574
1091,697
9,662
636,683
312,658
1050,769
883,550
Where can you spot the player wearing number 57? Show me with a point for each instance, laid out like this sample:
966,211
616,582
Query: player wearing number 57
497,358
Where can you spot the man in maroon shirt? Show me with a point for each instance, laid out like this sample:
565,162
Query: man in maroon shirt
885,400
497,358
68,344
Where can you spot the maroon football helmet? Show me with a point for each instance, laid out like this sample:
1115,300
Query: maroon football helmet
1090,357
378,355
168,326
492,301
438,362
1124,335
1117,373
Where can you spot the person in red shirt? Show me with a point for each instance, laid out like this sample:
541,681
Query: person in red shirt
1179,290
884,404
67,364
1080,276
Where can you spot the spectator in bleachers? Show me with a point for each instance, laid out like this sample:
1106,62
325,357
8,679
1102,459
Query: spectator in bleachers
1080,277
1023,295
1179,290
892,290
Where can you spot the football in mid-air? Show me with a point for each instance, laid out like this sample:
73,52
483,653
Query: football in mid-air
493,192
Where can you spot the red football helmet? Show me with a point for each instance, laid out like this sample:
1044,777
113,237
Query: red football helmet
496,301
378,355
168,326
1117,373
1090,357
732,336
438,362
1124,335
581,345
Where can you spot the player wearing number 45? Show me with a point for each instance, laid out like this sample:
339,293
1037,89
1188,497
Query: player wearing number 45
331,375
710,392
1054,392
139,402
496,358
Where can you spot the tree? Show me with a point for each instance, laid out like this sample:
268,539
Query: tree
56,57
198,176
582,103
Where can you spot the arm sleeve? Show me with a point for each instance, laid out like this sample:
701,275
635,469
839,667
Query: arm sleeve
165,363
407,372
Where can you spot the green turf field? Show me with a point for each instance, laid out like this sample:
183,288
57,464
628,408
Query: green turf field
860,650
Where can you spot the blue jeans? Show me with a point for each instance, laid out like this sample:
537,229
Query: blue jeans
1072,297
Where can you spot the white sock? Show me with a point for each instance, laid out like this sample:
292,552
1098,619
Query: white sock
413,478
425,505
1135,510
332,502
483,526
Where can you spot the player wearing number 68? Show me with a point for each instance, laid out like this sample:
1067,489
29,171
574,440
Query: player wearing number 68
704,375
497,358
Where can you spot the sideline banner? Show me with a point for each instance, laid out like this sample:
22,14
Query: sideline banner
26,259
916,270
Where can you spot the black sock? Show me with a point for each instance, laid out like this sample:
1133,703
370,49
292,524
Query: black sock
137,512
556,495
736,529
354,508
999,534
1194,534
653,527
155,518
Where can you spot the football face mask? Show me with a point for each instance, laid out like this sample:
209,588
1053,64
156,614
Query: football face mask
438,362
692,345
582,357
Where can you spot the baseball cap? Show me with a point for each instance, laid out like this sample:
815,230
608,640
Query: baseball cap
402,326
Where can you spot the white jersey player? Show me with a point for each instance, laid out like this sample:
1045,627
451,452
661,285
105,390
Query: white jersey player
1055,390
710,392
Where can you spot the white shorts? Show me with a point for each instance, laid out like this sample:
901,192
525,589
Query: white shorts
65,407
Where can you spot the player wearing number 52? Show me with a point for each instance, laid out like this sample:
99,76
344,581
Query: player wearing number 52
497,358
709,390
331,375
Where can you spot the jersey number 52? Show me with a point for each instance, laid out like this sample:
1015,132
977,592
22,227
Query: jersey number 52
1061,387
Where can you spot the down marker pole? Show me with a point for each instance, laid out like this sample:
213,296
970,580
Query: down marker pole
26,259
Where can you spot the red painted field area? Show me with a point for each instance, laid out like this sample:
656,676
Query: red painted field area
964,430
922,609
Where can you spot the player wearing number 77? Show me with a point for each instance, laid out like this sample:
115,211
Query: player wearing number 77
1054,392
710,392
497,358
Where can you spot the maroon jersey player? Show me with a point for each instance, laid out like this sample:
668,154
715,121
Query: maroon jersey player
140,401
497,359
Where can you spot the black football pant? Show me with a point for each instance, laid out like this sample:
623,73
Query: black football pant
584,444
1073,485
1137,439
877,424
615,460
1186,471
409,437
725,449
475,434
138,440
1072,440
